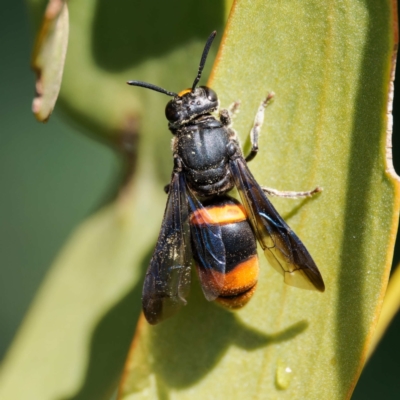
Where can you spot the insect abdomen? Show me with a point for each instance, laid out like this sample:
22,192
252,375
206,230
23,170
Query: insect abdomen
235,286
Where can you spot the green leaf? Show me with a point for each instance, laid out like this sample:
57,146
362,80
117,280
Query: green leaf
74,340
330,66
112,42
48,58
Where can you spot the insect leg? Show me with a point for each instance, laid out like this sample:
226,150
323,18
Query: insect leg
289,194
234,108
226,115
255,130
166,188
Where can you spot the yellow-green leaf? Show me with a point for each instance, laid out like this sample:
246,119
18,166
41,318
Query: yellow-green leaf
111,43
329,64
49,56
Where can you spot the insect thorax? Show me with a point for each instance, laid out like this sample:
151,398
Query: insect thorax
202,147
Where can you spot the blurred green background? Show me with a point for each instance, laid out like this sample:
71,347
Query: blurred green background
53,176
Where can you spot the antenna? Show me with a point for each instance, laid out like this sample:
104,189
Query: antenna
152,87
204,58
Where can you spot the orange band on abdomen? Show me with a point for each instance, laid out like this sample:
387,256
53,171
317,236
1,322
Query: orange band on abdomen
239,280
227,214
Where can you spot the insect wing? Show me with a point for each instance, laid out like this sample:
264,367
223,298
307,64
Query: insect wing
167,280
208,249
283,249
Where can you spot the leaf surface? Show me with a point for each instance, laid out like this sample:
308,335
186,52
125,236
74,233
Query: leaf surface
330,66
75,337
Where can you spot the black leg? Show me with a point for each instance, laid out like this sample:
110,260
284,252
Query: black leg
226,115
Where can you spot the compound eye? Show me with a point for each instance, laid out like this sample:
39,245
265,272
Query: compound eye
211,95
171,111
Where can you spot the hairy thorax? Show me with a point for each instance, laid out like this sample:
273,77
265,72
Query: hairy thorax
202,149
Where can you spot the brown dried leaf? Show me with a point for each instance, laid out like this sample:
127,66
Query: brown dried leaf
49,57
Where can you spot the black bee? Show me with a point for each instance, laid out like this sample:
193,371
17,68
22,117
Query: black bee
202,222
